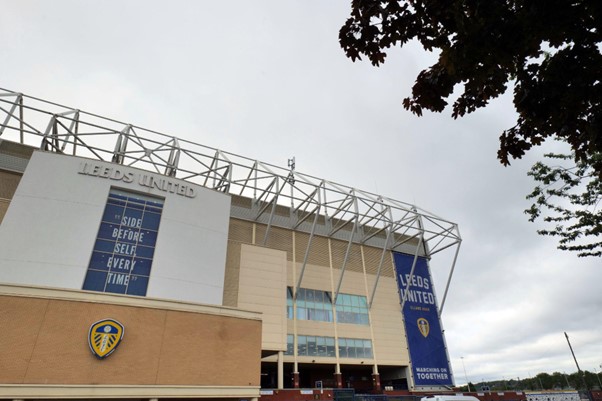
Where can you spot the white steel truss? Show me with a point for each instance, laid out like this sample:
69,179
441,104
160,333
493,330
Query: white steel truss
345,213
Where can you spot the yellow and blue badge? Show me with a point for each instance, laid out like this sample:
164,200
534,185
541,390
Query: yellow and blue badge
423,326
104,337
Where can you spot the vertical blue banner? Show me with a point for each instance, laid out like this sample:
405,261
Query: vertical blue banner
123,253
428,355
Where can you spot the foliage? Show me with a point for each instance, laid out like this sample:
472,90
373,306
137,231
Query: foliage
546,381
570,198
548,49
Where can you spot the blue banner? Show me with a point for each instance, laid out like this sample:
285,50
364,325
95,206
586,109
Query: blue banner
123,253
428,354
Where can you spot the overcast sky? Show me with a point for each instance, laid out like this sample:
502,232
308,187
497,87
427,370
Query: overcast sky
268,80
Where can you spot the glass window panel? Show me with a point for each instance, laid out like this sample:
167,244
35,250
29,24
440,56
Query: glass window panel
147,237
112,213
301,345
351,351
139,250
151,221
321,342
137,285
104,246
117,283
99,261
95,280
141,266
368,348
342,350
133,216
289,344
135,205
312,349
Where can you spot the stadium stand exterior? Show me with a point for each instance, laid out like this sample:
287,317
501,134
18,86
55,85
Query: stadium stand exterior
230,278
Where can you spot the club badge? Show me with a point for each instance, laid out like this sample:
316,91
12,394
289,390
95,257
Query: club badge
423,326
104,337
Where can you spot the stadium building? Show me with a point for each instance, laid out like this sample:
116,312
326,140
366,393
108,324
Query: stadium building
136,265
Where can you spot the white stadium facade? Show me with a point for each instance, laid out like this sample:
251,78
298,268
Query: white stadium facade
136,265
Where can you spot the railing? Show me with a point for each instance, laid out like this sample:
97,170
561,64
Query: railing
359,216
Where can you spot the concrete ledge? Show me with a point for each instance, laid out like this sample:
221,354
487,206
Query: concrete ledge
125,300
103,391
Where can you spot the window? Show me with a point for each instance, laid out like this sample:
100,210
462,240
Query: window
324,346
123,253
290,345
352,309
317,305
355,348
311,305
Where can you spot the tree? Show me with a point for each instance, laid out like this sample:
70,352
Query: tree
570,197
548,50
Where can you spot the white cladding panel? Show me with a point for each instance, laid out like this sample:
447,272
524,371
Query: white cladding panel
49,230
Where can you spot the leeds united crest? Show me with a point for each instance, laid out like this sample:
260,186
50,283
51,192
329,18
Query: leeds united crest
423,326
104,337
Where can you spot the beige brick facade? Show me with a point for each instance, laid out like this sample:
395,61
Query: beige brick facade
44,342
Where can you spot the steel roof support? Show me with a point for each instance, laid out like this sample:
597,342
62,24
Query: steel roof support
384,252
311,237
338,204
349,243
174,159
121,145
273,203
409,280
451,273
11,114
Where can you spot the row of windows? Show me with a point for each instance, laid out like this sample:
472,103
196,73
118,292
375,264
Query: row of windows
325,346
317,305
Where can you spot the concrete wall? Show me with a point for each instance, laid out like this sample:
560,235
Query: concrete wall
44,341
49,230
262,288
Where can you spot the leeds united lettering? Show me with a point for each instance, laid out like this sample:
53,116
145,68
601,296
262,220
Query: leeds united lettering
145,180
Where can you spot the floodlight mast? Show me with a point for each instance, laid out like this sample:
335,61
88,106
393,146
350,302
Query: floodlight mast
585,385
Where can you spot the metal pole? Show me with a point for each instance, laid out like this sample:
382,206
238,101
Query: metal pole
578,368
465,375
